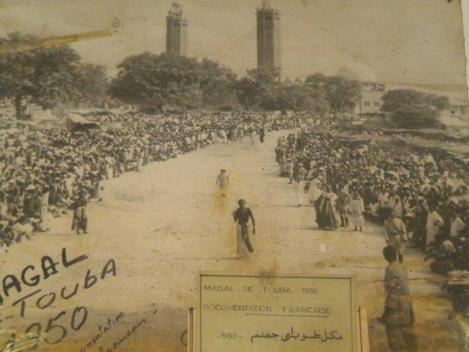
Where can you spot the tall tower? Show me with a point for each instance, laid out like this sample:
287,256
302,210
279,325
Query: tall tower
176,31
268,38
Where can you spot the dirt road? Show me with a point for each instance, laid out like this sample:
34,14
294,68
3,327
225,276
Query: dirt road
166,223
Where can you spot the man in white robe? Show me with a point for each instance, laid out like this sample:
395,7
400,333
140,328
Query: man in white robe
433,226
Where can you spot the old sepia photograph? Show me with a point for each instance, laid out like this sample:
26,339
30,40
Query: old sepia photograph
234,176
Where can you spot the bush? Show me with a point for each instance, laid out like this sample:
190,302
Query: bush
416,117
413,109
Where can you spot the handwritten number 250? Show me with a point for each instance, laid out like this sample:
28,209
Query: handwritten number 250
54,328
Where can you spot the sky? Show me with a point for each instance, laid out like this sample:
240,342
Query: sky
398,41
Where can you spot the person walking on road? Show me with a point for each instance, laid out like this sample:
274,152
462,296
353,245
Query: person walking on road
262,134
242,215
223,181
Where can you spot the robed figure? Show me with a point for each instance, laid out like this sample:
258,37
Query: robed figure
398,316
326,215
246,225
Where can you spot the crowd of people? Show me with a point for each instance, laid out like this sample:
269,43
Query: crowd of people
419,196
47,172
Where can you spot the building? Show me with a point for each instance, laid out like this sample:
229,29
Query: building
371,90
176,31
370,98
268,38
459,106
455,119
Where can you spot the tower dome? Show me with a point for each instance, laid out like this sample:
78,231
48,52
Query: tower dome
358,72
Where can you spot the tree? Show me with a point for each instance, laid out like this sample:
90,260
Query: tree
265,76
417,116
262,88
317,81
249,92
154,81
93,84
439,102
217,84
342,94
413,109
45,76
294,96
256,87
310,99
401,99
150,80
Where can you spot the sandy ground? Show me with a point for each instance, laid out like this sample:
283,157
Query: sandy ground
168,222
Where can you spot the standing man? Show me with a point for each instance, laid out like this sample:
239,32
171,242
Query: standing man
223,181
344,209
396,233
356,209
398,315
433,226
262,134
299,183
80,218
242,216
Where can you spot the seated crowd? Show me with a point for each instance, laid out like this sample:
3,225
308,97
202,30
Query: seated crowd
49,171
349,181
